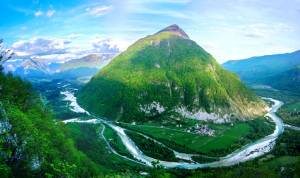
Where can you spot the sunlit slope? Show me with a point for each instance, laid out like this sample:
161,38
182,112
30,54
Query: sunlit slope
164,74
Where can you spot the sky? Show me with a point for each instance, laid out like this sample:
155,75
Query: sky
228,29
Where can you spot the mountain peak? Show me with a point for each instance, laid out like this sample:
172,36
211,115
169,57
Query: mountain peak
176,30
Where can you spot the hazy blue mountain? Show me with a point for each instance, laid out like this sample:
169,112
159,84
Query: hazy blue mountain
79,68
288,80
257,69
89,61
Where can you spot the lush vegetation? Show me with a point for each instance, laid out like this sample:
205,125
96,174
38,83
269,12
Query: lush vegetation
227,139
288,80
151,148
34,144
89,141
289,144
291,113
172,71
54,100
31,143
282,162
280,167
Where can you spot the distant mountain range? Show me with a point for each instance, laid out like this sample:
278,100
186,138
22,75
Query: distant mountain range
280,71
288,80
89,61
86,66
167,75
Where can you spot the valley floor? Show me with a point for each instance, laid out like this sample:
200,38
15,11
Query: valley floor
173,137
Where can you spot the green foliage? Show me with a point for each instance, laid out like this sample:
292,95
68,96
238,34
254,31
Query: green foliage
160,173
282,162
35,145
288,80
227,139
291,113
289,144
5,170
89,141
170,70
151,148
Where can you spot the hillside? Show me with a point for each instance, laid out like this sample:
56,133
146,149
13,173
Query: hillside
288,80
167,75
256,69
32,144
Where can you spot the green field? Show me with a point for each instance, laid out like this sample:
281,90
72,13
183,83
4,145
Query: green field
290,113
151,148
292,107
227,139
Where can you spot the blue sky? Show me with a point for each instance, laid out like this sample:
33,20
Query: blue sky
228,29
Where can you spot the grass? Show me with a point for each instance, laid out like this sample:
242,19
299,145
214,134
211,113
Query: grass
290,113
292,107
151,148
283,160
227,138
193,142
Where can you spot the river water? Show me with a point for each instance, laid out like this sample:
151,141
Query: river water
246,153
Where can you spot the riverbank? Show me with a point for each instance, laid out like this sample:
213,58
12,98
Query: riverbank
246,153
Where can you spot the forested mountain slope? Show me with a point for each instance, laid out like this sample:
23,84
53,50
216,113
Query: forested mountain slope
31,142
167,74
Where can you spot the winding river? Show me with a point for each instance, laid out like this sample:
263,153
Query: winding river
246,153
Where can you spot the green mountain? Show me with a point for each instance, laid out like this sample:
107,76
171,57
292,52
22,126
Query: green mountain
257,69
167,75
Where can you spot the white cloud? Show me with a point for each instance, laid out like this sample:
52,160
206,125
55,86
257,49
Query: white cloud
99,10
50,13
104,46
38,13
63,49
40,46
